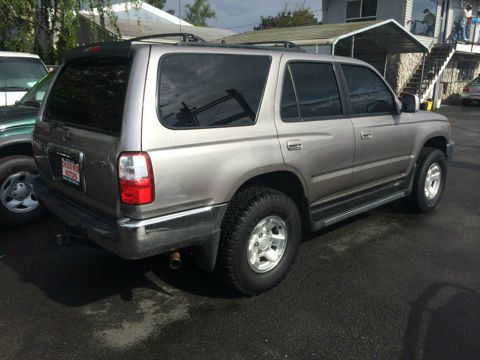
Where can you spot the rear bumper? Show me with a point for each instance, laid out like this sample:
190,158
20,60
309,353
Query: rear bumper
471,96
136,239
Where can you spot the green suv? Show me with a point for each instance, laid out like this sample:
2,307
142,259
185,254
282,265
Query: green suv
18,203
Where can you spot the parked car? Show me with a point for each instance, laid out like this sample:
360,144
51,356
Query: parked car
471,92
19,72
229,152
18,202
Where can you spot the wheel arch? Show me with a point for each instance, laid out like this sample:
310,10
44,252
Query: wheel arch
16,145
286,180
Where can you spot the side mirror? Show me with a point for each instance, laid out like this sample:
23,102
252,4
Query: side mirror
411,103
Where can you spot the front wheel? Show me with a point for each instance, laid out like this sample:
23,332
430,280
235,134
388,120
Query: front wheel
429,181
261,233
18,203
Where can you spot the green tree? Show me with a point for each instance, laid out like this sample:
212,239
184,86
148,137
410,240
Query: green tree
299,16
48,27
159,4
199,12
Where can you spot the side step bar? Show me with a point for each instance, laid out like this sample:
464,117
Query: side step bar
340,216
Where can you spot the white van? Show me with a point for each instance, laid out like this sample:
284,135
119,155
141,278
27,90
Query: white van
18,73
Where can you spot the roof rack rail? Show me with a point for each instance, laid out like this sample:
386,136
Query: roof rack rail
281,43
242,46
186,37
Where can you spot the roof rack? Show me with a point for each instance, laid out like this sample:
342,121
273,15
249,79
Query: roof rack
281,43
186,37
224,45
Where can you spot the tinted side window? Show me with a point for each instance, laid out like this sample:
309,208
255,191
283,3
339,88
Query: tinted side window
317,89
368,93
209,90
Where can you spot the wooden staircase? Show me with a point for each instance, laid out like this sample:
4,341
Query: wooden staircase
423,80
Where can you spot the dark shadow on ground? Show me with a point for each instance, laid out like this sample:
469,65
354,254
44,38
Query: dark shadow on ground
444,323
82,273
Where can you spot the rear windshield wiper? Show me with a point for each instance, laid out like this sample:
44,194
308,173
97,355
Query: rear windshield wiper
56,124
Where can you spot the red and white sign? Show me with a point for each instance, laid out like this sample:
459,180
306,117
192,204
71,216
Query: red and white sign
70,171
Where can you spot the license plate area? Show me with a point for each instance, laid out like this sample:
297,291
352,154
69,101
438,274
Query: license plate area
67,166
71,172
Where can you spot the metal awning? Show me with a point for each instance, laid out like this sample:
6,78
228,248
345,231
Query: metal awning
369,37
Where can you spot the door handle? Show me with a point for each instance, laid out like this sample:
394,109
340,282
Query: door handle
294,145
366,134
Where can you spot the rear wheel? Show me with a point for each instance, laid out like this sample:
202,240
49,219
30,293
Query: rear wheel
260,237
18,202
465,102
429,181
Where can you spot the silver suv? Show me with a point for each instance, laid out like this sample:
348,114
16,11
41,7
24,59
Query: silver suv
227,151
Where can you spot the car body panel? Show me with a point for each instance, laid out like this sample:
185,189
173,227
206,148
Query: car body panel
97,152
474,90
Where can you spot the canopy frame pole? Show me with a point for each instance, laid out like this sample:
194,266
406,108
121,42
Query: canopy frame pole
353,46
385,67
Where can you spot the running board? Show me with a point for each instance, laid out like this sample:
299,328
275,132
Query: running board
335,218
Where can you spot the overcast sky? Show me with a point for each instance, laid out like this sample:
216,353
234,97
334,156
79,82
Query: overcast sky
242,15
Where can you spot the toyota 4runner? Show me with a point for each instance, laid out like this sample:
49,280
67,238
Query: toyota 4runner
228,151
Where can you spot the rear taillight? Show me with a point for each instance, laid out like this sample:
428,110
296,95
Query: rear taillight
135,178
466,89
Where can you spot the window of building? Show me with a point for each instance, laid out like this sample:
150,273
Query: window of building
358,10
211,90
424,17
314,91
368,93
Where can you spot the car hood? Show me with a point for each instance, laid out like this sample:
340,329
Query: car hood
16,113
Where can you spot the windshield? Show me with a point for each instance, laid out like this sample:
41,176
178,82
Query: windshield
20,74
35,96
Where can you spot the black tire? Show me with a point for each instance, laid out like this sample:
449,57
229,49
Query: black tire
465,102
9,166
245,211
418,201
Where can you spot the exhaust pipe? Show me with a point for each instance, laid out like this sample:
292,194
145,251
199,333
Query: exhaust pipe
175,260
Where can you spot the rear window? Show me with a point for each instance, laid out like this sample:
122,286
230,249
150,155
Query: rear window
90,94
20,74
210,90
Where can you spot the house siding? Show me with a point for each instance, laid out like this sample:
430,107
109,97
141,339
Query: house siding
334,11
386,9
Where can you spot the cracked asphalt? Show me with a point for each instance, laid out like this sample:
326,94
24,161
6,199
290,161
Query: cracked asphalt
386,285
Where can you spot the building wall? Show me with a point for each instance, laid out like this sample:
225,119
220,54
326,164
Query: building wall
400,68
334,11
387,9
455,77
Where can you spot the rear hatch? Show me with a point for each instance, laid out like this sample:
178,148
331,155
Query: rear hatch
80,131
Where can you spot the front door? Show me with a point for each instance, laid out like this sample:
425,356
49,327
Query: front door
384,141
316,136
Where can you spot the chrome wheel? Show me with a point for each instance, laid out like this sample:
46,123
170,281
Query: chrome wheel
432,181
267,244
16,193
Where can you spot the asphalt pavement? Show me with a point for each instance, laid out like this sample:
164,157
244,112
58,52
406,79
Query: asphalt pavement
386,285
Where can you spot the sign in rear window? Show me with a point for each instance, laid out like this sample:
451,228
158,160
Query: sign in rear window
210,90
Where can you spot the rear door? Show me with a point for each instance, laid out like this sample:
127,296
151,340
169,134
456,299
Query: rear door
81,131
316,137
384,140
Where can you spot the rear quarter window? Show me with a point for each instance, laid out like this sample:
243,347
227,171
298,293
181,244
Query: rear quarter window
210,90
90,93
